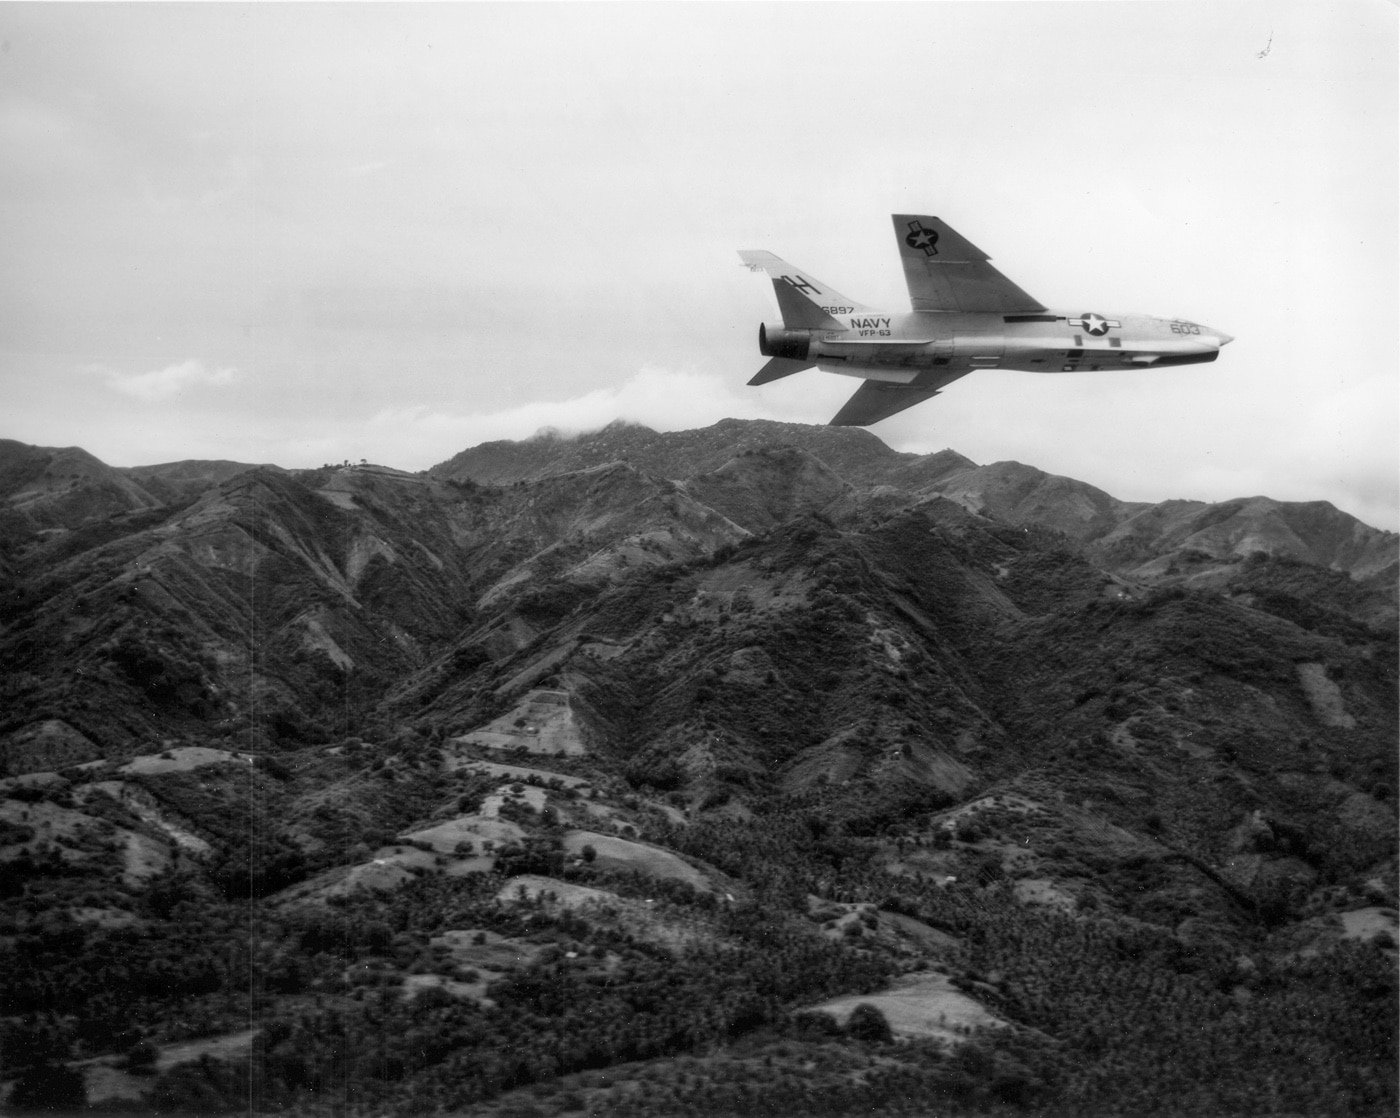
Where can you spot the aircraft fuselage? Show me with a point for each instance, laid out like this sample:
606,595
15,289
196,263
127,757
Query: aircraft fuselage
921,346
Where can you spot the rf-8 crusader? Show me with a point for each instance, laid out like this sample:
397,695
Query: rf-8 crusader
966,316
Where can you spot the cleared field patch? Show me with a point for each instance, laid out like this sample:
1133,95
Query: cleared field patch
1043,891
226,1047
445,838
105,917
146,808
1002,807
478,948
108,1083
864,922
143,858
920,1005
1368,923
390,868
41,781
473,959
1324,696
80,839
673,814
527,794
618,853
562,893
455,847
917,934
415,984
763,589
182,759
45,824
939,866
540,723
639,918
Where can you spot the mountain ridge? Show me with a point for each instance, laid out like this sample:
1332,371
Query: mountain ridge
1009,490
1314,531
387,567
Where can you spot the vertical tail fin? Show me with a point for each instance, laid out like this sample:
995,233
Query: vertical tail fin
805,302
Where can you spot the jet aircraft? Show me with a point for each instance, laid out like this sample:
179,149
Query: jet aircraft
966,316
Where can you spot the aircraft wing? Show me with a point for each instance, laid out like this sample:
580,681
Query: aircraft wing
947,272
875,400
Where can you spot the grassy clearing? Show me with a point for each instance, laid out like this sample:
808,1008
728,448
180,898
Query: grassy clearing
920,1005
618,853
541,722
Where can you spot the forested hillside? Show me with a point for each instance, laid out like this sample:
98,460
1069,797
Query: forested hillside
758,769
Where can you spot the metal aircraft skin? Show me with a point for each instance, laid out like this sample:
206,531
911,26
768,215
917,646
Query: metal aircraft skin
966,316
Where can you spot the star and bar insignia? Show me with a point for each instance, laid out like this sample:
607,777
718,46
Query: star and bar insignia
1095,325
919,237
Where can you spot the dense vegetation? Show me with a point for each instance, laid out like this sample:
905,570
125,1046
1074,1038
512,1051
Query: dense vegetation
1116,1016
283,831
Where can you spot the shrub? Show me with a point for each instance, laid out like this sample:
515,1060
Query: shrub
141,1057
49,1087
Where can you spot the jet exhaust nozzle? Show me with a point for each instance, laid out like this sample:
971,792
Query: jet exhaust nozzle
778,342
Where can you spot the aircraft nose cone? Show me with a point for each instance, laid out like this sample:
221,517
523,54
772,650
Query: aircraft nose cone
1225,339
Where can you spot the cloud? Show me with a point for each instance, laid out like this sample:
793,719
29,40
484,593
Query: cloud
666,400
166,383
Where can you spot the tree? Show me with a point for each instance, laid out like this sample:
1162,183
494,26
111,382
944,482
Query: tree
868,1023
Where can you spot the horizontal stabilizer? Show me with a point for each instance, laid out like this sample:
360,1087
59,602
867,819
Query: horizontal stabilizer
778,368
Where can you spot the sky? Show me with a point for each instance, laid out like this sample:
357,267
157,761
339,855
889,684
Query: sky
307,233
